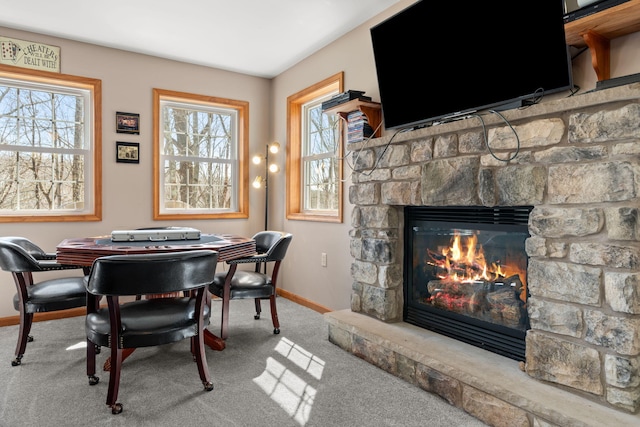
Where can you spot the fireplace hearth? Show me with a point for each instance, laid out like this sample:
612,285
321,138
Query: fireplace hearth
465,274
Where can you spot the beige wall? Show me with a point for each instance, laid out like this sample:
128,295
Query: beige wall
303,274
127,192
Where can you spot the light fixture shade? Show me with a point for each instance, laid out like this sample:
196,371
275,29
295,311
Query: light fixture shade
257,183
274,147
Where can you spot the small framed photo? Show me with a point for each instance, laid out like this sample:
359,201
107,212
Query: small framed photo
128,123
127,152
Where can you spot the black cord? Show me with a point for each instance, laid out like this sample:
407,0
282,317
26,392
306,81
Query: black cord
574,89
486,139
535,99
359,151
579,53
375,166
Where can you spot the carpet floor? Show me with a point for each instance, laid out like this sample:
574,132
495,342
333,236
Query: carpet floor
297,378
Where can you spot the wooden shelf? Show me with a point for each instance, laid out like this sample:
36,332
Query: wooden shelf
372,110
595,31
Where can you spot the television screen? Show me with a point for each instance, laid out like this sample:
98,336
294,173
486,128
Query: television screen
439,59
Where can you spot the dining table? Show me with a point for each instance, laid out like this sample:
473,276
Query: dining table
85,250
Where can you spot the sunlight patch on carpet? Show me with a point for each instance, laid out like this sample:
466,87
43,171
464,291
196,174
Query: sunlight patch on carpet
77,346
291,392
301,357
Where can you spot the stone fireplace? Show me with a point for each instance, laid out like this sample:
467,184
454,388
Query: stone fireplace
576,160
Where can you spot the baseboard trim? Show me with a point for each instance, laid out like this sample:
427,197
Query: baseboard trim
74,312
303,301
41,317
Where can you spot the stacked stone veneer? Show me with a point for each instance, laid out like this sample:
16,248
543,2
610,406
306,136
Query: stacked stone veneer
577,161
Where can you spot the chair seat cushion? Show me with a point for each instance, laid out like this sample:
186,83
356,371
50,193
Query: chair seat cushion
54,294
147,322
244,284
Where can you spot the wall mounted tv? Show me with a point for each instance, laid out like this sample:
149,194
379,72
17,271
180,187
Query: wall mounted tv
438,59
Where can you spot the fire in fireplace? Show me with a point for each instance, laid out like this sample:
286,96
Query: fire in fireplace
466,274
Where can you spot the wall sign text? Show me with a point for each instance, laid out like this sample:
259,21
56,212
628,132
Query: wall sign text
26,54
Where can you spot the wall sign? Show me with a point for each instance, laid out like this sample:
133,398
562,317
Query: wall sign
25,54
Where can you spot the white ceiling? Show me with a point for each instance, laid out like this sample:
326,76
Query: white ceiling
256,37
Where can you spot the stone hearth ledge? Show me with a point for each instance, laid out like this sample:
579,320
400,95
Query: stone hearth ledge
488,386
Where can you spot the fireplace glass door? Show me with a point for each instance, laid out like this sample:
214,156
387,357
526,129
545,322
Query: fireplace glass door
466,274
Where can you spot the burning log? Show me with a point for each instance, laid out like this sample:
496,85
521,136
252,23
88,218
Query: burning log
496,302
513,282
507,308
451,295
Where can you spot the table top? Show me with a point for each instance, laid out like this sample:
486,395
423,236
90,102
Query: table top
84,250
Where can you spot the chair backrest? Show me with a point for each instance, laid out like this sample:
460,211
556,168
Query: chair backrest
272,245
26,244
18,254
152,273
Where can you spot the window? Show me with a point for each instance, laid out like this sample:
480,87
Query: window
199,149
314,166
50,147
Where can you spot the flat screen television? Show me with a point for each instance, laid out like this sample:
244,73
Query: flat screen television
440,59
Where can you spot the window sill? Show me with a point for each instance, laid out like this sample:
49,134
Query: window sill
314,217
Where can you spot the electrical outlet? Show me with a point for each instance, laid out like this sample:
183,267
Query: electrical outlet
323,259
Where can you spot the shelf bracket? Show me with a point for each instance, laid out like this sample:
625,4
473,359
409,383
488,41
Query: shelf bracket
600,49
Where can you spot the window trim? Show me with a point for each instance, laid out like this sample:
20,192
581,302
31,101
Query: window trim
242,108
95,87
295,105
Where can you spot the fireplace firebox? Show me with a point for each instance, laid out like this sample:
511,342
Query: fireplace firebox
465,274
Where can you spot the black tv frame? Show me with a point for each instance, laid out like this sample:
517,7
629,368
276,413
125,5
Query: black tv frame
495,60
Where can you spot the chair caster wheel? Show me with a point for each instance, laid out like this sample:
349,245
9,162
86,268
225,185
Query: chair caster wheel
257,317
29,338
116,409
208,386
276,331
93,380
17,361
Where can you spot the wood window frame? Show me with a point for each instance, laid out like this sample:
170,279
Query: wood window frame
294,170
242,107
95,87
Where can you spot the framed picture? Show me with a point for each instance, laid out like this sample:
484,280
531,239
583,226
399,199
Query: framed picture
127,152
128,123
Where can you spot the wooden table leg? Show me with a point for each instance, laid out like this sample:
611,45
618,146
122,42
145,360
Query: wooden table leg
214,342
126,352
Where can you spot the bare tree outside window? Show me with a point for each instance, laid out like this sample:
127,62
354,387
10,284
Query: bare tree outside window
199,147
45,148
205,182
321,143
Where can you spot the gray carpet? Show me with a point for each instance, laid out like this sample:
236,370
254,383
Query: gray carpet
296,378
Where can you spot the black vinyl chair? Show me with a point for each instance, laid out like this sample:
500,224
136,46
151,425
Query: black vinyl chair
21,257
150,321
271,247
